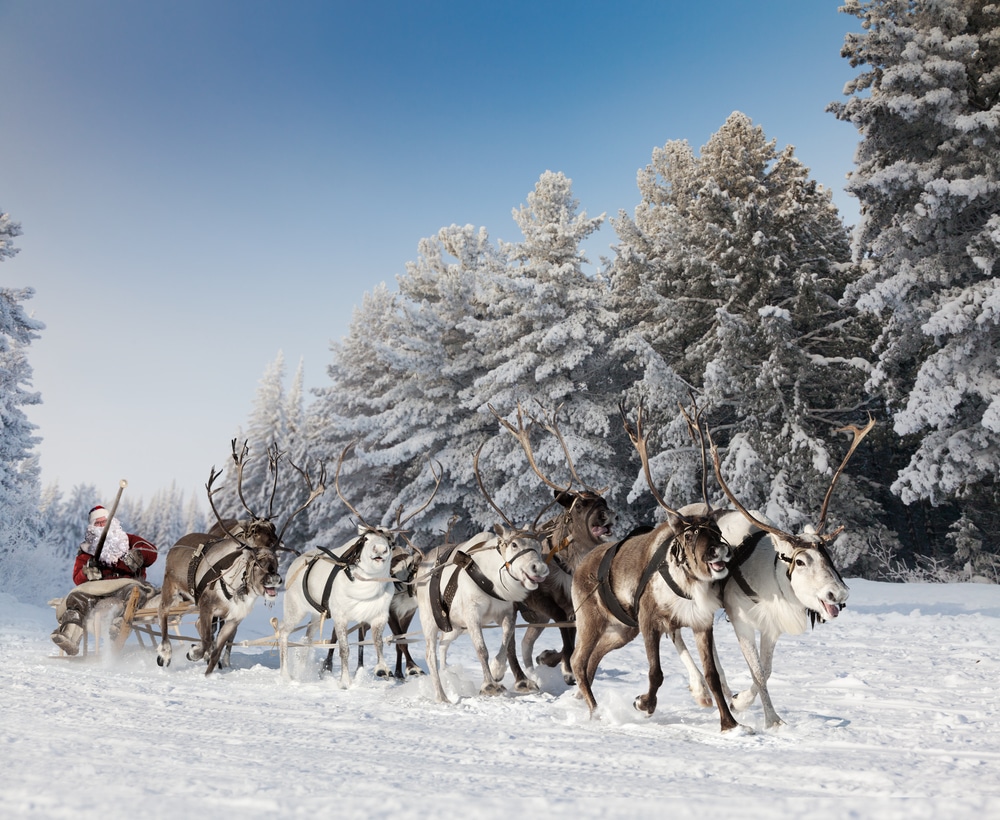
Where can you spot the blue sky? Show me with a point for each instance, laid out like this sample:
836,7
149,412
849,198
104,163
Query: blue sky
204,184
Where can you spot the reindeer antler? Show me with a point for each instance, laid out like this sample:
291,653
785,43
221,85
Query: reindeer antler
858,433
482,488
736,502
697,434
438,474
523,435
638,438
314,492
240,461
336,483
273,457
214,474
553,427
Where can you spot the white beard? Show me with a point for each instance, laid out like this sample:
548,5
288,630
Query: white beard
115,545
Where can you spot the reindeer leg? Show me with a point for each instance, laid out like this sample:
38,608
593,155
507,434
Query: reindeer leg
528,640
706,649
767,645
522,683
431,656
207,645
381,667
362,632
491,686
345,654
651,637
568,634
696,680
225,636
746,636
328,662
508,648
590,650
227,647
399,626
164,651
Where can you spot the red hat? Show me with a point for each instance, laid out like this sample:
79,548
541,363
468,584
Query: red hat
97,512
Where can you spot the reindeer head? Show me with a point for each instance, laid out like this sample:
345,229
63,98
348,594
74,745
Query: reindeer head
521,556
697,543
259,532
587,520
263,574
380,542
810,569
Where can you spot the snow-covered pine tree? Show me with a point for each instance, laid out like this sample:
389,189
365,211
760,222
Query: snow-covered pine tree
343,412
20,523
927,176
396,378
543,342
748,259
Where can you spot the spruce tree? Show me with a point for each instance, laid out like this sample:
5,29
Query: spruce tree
925,104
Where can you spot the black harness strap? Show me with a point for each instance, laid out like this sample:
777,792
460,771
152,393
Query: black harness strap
441,601
339,563
658,563
213,573
742,552
604,580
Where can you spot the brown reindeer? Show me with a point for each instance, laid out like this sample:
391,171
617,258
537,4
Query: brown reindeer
225,570
654,582
585,523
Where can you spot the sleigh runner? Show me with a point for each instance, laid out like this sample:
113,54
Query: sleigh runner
141,621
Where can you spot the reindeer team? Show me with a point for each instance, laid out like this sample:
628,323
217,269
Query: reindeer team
601,592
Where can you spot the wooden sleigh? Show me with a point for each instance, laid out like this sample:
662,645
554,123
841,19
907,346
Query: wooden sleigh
141,622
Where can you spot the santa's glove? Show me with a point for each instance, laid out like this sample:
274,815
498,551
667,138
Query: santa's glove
91,571
133,559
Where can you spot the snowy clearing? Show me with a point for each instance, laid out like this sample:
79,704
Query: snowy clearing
891,711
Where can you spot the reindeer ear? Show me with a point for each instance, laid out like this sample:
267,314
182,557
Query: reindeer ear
361,529
564,498
498,529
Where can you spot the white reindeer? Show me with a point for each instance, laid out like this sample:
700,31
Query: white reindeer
778,583
462,588
350,584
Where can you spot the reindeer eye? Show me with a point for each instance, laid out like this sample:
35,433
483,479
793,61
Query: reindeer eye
799,562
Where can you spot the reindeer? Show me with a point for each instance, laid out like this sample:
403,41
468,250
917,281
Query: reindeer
462,587
402,569
351,583
760,598
225,570
653,581
584,524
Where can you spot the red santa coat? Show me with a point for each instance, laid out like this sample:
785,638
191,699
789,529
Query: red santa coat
119,569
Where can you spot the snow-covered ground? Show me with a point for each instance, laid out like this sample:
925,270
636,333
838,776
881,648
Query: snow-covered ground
892,711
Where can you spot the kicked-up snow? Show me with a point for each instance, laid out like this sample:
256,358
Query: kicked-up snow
891,711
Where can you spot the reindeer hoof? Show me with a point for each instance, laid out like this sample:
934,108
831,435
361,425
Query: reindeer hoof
644,704
549,658
382,674
415,672
161,661
492,689
525,686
